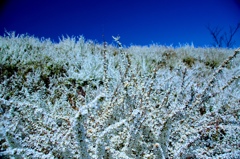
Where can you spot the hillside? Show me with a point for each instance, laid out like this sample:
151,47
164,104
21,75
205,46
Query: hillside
80,99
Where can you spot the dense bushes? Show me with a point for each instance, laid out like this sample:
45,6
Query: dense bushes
78,99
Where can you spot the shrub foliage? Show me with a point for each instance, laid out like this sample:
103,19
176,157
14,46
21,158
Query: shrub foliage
80,99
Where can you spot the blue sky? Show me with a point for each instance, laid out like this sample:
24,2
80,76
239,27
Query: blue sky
138,22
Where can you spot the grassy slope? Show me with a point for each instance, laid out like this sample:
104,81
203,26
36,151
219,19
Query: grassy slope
79,99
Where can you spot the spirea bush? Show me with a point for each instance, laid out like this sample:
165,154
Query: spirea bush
80,99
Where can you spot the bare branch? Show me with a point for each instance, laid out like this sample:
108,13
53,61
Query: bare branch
215,34
226,38
229,39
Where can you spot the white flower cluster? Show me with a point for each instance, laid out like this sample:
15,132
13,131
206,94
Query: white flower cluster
79,99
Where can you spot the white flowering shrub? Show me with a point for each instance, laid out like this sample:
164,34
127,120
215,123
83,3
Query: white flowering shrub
79,99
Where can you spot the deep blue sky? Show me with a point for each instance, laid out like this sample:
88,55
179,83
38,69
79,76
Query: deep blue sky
138,22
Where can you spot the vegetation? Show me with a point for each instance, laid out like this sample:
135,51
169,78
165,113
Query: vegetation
80,99
223,39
